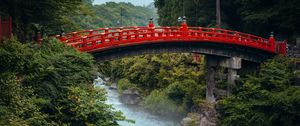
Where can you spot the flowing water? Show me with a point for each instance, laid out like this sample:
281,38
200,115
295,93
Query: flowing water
137,113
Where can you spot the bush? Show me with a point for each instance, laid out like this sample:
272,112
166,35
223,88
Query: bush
186,92
88,104
124,84
176,91
158,102
14,56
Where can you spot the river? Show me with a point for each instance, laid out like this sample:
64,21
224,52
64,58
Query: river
137,113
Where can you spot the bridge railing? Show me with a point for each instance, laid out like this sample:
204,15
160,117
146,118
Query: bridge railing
104,38
76,36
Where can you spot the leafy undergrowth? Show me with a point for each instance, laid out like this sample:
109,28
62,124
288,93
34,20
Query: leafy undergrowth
50,84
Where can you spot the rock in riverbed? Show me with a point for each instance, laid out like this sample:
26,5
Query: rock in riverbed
130,96
113,86
207,116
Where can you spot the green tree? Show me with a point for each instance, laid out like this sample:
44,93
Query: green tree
88,104
41,85
258,17
198,12
263,16
158,102
29,16
266,98
18,104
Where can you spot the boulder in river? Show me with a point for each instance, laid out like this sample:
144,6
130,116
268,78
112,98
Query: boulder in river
113,86
207,116
130,96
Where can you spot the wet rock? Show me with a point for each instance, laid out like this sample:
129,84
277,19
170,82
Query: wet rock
113,86
206,116
130,96
192,119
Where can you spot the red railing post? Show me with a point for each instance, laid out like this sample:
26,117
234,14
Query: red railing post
213,32
272,42
39,38
6,28
151,24
0,28
136,33
106,30
151,27
120,34
283,47
74,35
184,27
91,32
84,39
200,32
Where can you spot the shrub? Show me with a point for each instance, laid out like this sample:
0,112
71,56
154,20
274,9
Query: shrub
124,84
158,102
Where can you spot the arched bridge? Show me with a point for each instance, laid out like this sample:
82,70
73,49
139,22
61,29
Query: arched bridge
222,47
111,43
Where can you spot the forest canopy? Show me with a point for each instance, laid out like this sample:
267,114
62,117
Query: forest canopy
52,17
259,17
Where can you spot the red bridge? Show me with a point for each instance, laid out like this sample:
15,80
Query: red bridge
105,42
223,48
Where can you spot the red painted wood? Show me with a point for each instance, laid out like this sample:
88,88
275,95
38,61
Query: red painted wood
0,28
107,38
5,28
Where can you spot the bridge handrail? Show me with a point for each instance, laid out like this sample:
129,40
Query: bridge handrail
229,31
87,40
78,34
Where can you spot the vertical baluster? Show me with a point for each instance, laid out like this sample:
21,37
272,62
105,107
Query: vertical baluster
84,40
120,34
0,29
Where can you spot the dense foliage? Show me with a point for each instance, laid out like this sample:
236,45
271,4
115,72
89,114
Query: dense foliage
268,98
50,84
258,17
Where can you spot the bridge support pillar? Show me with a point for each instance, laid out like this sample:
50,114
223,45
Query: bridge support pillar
210,84
232,64
211,64
231,77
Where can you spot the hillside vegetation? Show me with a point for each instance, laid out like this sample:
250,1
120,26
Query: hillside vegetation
110,14
50,84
